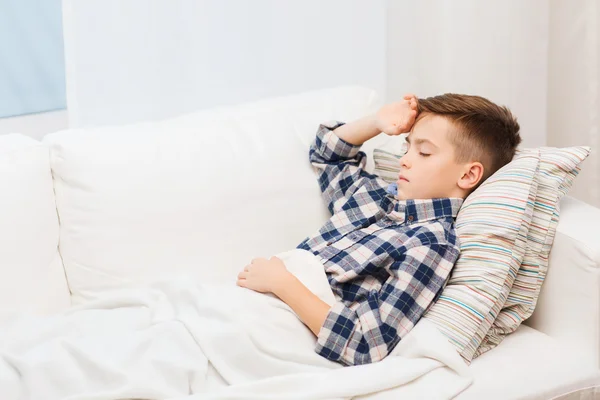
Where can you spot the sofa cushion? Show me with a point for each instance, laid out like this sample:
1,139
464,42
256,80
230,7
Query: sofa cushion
530,365
199,195
32,279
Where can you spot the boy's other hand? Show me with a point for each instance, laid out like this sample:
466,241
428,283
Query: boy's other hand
262,275
397,118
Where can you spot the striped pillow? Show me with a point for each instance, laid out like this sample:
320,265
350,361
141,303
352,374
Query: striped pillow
386,165
558,169
492,227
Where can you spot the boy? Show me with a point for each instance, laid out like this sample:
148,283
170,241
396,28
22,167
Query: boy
388,249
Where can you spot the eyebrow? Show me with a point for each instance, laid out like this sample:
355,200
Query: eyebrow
419,141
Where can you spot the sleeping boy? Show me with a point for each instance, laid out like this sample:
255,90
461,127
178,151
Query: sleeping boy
388,250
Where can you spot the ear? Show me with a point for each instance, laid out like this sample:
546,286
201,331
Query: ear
472,174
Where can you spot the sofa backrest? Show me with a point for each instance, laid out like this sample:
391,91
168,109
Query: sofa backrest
201,194
568,308
32,279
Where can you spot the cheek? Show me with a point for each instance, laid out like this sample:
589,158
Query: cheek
433,165
437,168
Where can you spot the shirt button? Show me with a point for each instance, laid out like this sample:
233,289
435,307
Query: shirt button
410,217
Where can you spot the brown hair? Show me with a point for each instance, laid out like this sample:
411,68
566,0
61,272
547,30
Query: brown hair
485,132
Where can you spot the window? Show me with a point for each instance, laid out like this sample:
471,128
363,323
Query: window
32,70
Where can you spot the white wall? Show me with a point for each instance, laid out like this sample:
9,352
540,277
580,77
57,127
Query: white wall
150,59
185,55
574,87
35,125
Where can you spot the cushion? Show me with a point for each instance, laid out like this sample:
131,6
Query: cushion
198,195
492,228
557,171
32,278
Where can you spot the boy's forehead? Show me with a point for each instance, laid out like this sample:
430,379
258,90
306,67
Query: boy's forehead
418,139
431,127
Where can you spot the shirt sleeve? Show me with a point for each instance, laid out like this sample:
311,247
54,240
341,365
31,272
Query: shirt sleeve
340,166
367,331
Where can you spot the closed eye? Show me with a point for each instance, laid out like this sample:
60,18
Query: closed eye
425,155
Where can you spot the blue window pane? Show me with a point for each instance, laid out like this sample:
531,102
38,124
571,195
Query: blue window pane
32,68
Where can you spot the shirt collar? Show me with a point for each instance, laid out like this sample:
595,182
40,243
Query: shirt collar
420,210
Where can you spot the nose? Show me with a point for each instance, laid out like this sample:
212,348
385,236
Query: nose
404,162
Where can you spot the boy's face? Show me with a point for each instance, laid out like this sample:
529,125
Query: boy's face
428,169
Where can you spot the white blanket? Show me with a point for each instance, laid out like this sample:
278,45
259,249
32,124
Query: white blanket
160,342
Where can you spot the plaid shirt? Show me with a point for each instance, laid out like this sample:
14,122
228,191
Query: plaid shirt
387,260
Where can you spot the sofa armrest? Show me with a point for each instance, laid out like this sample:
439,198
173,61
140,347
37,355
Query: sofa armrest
568,308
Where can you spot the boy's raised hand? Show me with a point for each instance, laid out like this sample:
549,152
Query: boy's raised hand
397,118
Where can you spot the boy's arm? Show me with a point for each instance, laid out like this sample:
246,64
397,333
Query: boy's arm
392,119
359,131
271,276
339,164
307,305
335,151
367,333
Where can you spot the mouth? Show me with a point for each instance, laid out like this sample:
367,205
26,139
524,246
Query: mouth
402,179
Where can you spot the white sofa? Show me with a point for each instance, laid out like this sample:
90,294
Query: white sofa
90,209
